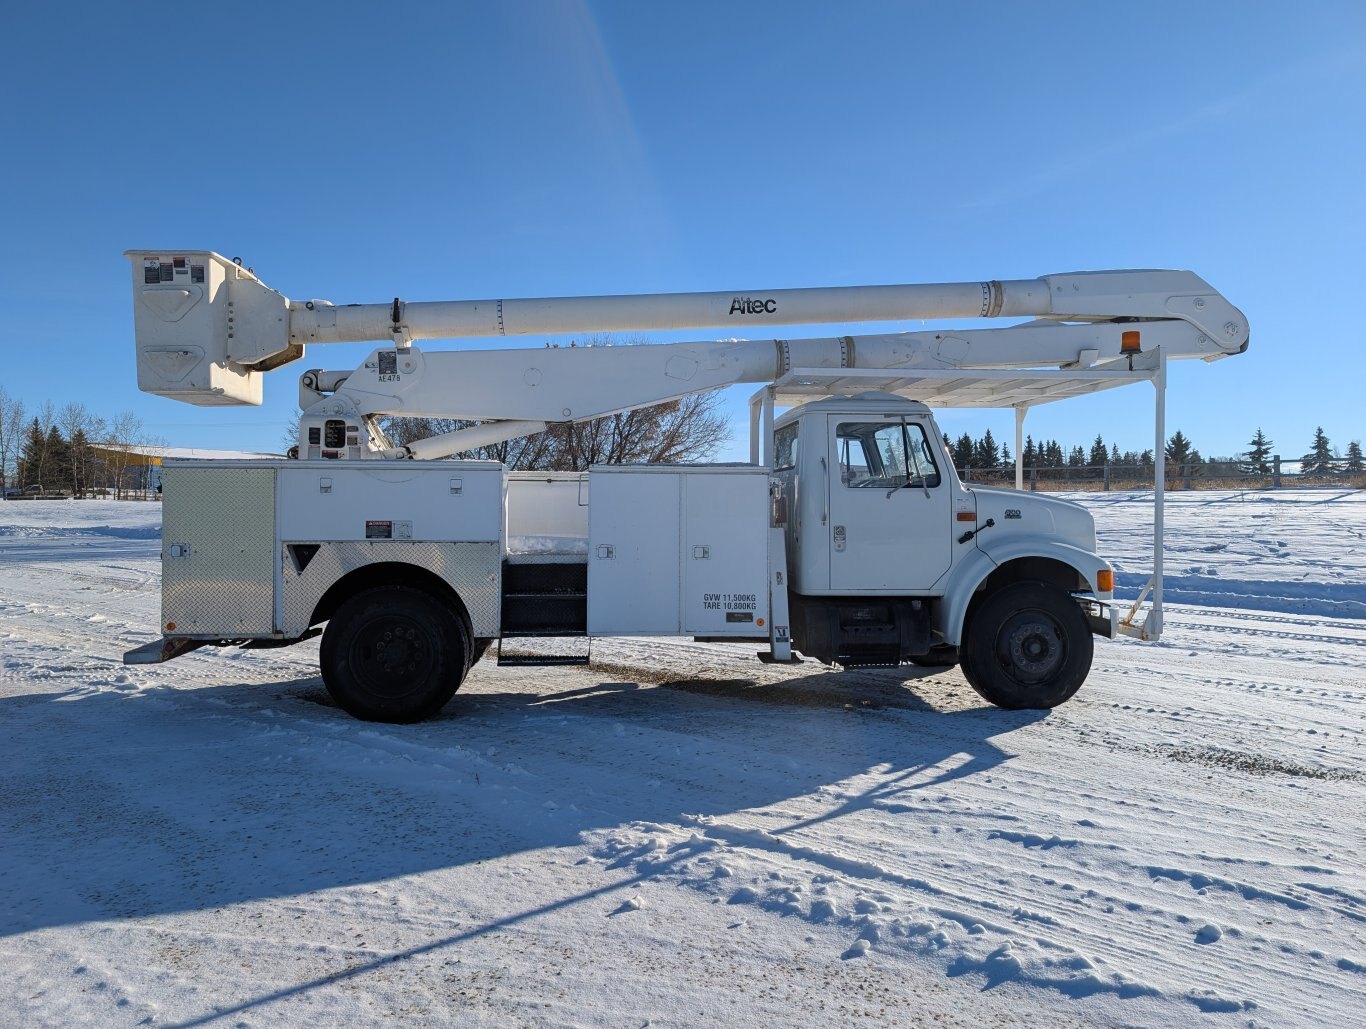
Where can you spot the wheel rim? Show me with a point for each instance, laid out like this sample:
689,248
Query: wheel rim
391,656
1031,647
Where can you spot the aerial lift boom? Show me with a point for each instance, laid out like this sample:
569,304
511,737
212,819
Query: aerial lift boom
207,328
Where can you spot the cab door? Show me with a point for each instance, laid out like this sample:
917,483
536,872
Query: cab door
890,514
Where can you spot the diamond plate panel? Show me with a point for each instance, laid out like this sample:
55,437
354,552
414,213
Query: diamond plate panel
471,569
218,551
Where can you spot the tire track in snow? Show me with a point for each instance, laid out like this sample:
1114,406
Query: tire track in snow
1343,641
967,887
1053,791
1264,617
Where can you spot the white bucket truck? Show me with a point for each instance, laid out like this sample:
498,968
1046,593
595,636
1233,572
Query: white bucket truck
848,537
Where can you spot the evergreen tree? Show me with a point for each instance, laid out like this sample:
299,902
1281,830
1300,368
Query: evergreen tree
1178,449
1098,451
964,452
1355,465
1319,460
1076,462
1115,456
57,461
1006,462
1182,458
33,456
987,452
1259,449
1031,456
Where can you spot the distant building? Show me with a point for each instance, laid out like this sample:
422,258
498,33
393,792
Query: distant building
136,467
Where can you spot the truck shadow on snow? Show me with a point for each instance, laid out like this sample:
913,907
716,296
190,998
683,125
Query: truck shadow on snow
117,805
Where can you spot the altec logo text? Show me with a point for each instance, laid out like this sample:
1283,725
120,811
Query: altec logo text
744,305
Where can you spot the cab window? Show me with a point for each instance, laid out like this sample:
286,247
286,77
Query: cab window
884,454
785,448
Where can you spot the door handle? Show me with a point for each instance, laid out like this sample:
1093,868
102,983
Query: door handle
825,493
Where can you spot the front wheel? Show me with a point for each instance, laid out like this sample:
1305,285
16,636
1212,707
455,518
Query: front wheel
393,654
1028,646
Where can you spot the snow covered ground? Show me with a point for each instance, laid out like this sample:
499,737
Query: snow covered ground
678,834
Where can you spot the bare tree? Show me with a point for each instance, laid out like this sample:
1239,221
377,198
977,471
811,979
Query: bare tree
125,433
81,427
96,430
690,429
11,432
291,433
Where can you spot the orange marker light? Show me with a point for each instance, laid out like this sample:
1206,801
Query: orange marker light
967,516
170,626
1105,581
759,622
1128,342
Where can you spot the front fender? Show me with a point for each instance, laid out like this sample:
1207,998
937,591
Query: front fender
970,572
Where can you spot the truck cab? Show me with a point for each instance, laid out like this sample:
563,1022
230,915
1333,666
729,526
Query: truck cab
893,559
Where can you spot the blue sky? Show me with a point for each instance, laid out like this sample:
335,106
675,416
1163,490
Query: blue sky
358,152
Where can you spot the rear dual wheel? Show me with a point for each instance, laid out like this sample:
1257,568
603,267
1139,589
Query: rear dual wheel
1028,646
394,654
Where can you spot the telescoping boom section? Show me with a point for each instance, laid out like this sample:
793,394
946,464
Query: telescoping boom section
848,538
207,327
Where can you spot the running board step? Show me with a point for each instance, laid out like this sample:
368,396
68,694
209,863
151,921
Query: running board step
539,632
845,661
548,653
532,660
869,645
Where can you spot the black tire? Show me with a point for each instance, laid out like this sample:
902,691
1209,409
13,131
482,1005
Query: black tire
1027,647
393,654
941,655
